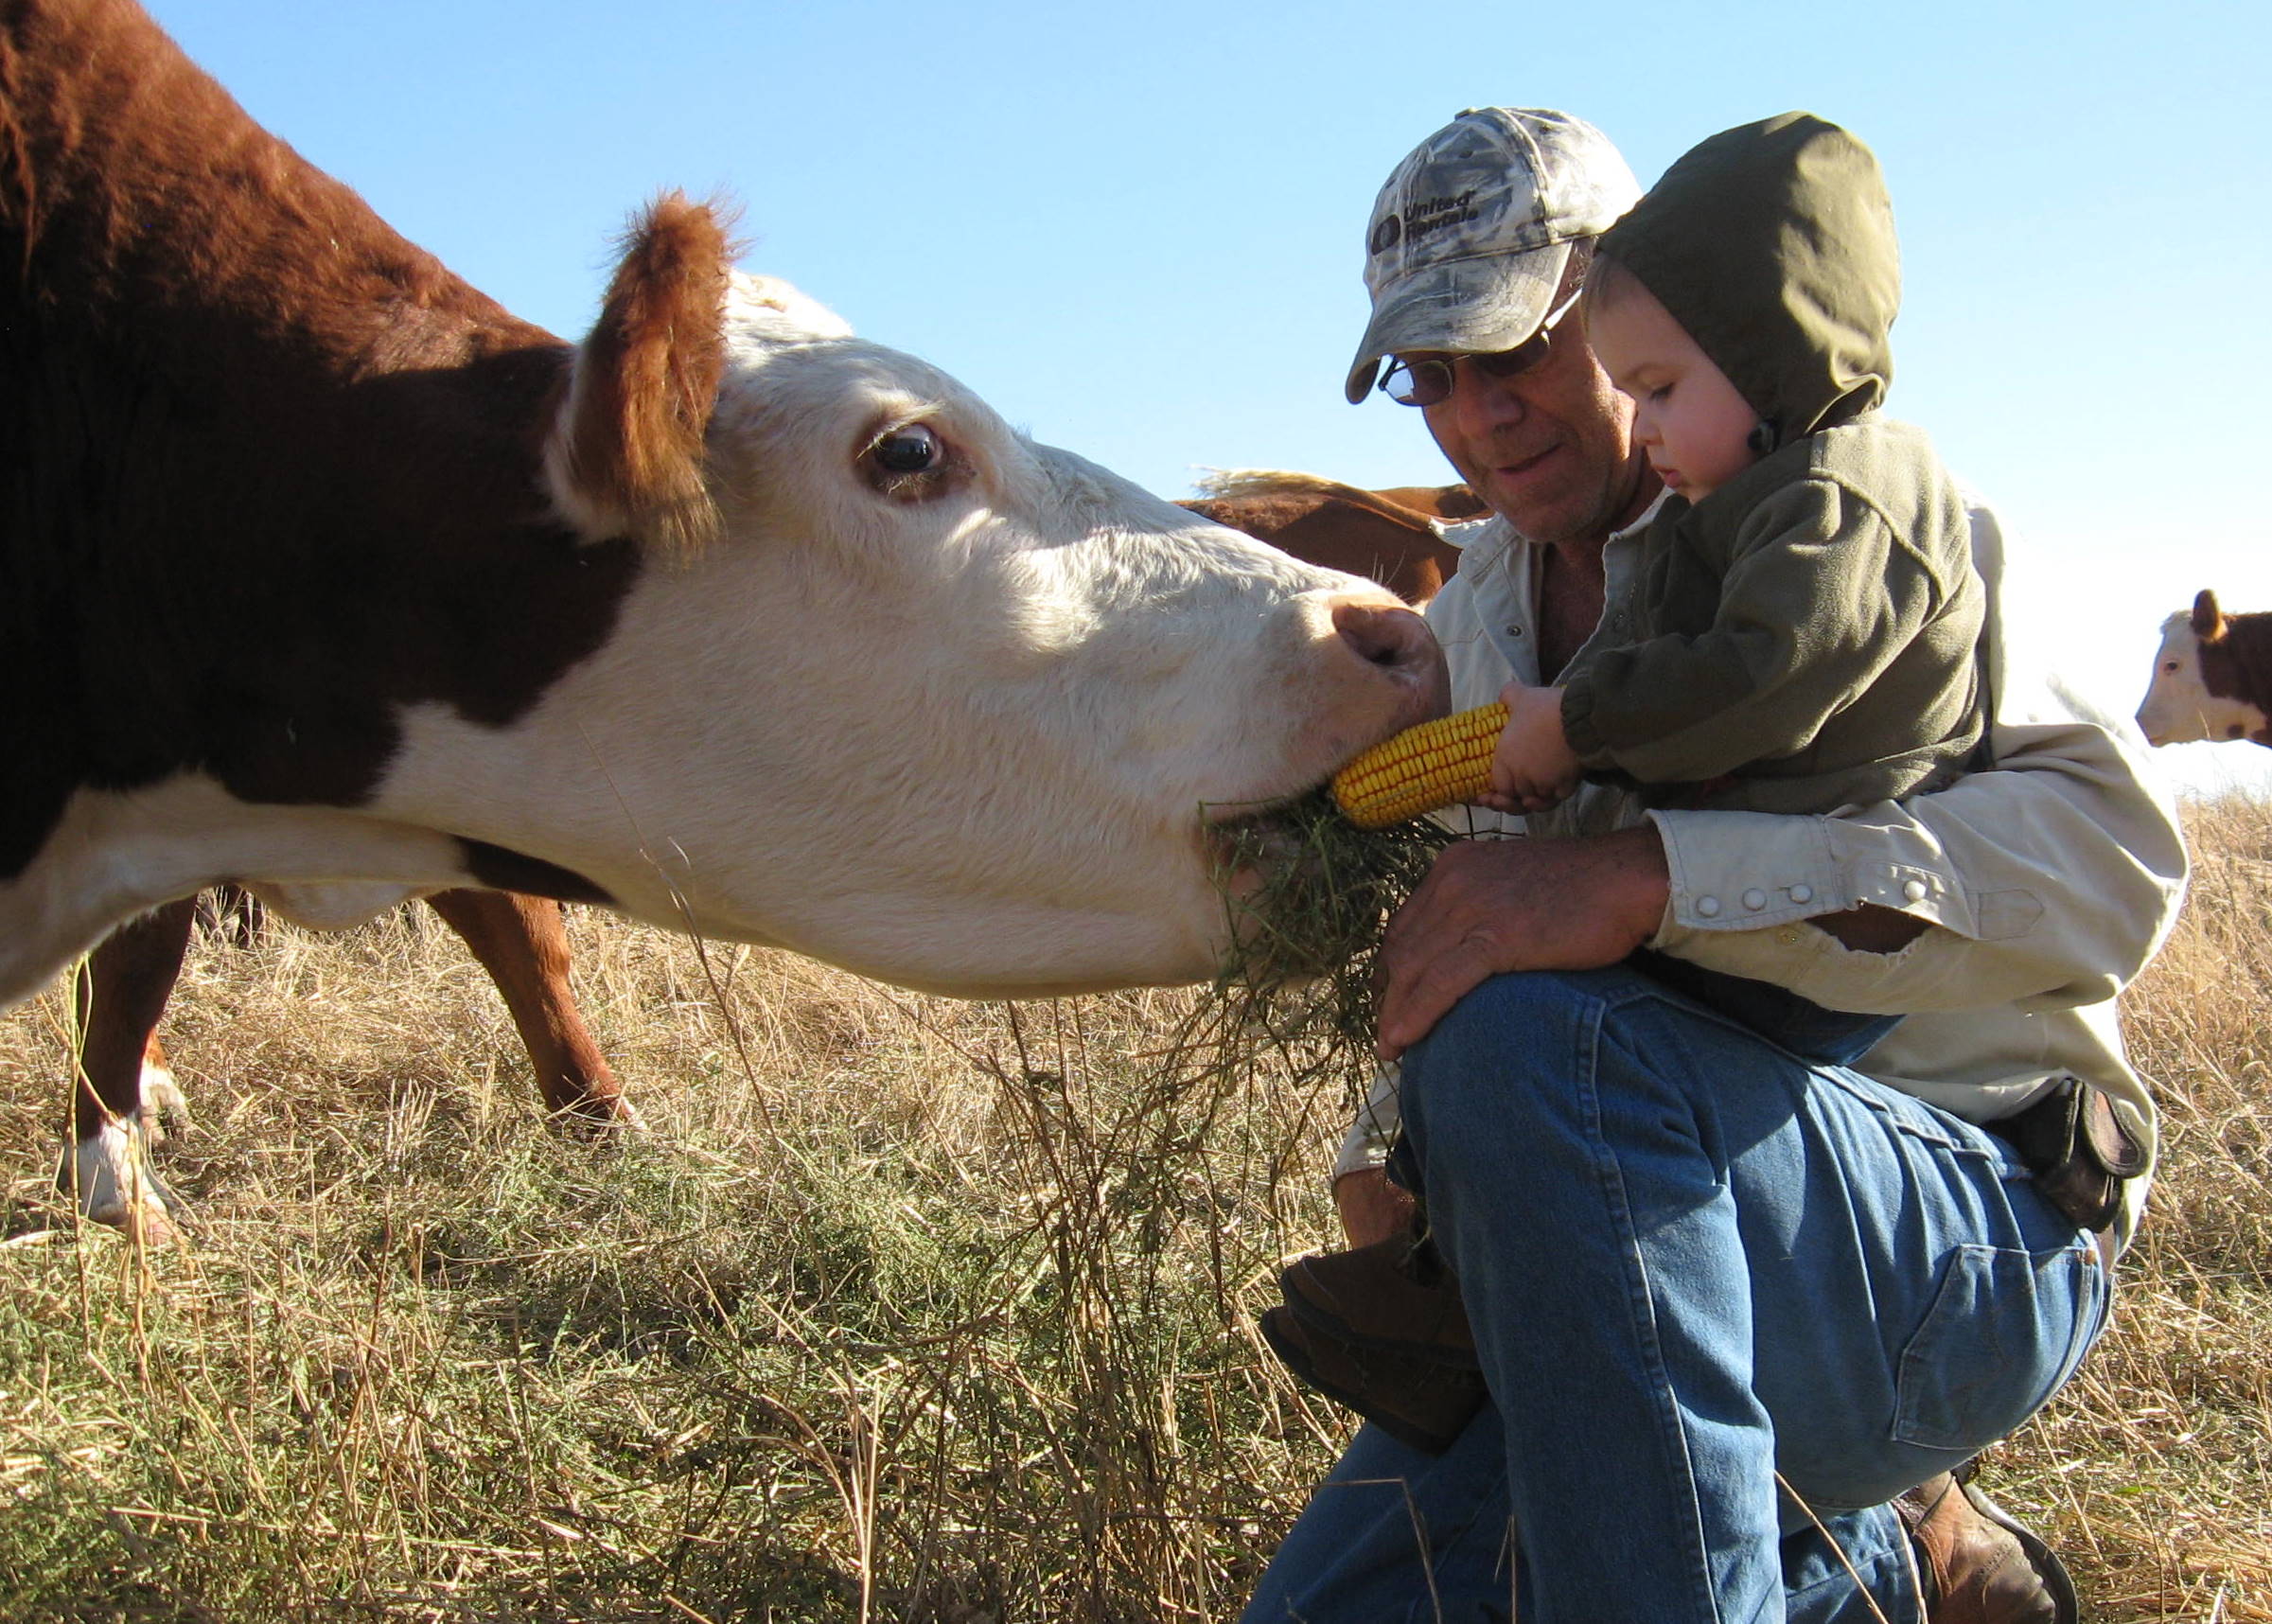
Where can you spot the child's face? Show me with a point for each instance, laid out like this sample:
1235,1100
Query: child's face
1692,423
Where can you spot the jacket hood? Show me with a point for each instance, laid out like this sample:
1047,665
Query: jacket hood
1772,245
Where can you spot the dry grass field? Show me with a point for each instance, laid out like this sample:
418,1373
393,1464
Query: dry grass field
904,1310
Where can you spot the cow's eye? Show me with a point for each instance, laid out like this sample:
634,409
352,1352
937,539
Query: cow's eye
2170,665
911,449
913,462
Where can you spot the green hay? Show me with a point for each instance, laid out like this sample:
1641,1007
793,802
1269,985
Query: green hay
1305,970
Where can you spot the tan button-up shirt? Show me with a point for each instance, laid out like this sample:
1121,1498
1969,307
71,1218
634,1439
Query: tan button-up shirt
2049,879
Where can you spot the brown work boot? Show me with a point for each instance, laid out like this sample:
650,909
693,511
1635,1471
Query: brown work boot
1978,1565
1393,1296
1380,1329
1419,1402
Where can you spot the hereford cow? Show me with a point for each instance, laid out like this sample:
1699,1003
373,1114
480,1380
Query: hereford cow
726,620
124,1085
2213,677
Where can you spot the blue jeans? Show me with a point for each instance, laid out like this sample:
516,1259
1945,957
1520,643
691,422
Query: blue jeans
1692,1262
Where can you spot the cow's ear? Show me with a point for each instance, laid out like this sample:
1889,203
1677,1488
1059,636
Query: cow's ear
2209,620
625,455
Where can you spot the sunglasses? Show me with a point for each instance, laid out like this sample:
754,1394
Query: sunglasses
1410,383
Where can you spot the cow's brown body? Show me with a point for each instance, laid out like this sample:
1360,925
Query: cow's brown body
201,339
1388,535
202,565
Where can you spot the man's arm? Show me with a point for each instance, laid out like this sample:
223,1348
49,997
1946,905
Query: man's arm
1493,906
2045,883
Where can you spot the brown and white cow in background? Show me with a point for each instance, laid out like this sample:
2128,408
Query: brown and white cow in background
729,619
1393,537
2213,677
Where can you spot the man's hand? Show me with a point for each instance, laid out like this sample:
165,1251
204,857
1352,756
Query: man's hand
1491,906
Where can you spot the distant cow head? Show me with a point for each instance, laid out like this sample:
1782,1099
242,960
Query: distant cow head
2212,677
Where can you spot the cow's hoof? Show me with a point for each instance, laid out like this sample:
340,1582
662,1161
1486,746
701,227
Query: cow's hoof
146,1223
599,1121
110,1177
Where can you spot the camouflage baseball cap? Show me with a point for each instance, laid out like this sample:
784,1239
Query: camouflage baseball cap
1471,234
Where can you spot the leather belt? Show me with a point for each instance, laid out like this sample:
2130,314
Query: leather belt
2078,1153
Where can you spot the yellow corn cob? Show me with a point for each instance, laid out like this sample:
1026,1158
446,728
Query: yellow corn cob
1437,763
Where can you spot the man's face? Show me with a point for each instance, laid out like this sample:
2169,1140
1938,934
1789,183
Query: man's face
1552,449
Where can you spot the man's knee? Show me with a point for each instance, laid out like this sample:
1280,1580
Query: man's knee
1524,1011
1512,1041
1532,1047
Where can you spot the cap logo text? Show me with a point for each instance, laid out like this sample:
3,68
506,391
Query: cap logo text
1435,213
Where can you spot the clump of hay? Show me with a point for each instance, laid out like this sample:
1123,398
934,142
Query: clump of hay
1309,895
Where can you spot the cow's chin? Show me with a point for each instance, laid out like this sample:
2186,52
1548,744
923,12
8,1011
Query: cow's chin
1148,918
1043,956
1241,842
1211,912
1265,865
1202,913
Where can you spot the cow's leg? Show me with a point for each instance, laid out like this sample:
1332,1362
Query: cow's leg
523,943
120,993
165,1107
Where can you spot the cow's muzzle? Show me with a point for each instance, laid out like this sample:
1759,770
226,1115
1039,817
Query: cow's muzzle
1397,642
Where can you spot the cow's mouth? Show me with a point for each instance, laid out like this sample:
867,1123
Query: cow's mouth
1246,842
1306,891
1253,835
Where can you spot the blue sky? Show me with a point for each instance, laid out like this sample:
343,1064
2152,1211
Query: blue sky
1137,230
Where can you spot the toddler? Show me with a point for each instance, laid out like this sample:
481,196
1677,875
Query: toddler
1798,631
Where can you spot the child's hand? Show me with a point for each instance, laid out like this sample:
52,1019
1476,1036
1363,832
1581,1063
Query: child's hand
1533,767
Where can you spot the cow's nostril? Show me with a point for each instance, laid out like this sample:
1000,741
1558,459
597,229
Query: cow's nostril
1397,644
1384,635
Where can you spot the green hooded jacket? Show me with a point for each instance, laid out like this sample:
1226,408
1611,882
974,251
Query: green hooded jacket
1804,637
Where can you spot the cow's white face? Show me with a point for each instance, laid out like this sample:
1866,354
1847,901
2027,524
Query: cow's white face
2179,707
942,705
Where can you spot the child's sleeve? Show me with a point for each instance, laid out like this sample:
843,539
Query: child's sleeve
1821,593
